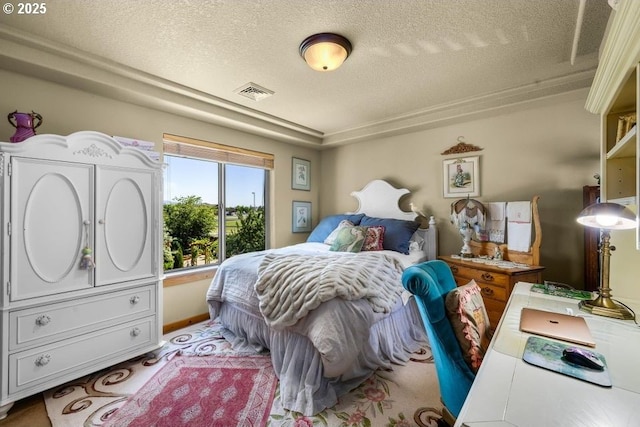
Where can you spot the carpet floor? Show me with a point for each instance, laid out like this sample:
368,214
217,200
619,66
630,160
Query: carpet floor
405,396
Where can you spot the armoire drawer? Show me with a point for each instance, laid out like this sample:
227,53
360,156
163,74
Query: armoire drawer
30,368
44,324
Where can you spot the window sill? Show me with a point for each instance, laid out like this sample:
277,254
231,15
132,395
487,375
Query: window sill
180,278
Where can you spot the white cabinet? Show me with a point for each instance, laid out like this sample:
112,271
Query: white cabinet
619,146
615,94
59,319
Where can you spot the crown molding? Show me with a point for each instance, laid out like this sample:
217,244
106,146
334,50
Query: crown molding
29,55
527,96
619,56
25,54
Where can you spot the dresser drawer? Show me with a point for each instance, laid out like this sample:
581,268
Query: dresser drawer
494,311
488,290
496,279
44,324
45,364
493,292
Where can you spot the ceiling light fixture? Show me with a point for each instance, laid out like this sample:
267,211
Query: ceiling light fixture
325,51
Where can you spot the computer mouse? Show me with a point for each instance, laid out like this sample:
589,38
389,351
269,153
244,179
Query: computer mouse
583,358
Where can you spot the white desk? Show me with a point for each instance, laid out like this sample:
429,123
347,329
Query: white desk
509,392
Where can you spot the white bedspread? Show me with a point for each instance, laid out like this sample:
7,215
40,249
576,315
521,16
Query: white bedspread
290,286
332,349
235,282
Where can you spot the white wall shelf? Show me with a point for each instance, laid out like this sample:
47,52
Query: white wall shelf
626,147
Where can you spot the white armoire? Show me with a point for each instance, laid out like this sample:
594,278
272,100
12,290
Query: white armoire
68,202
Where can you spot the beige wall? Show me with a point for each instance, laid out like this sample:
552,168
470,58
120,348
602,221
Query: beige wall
549,148
67,110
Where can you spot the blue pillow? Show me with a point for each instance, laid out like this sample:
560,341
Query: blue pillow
328,224
397,232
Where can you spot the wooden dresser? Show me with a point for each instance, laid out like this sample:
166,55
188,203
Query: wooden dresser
496,283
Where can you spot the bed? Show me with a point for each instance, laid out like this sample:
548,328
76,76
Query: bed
330,314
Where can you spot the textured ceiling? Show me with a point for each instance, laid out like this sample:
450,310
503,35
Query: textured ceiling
409,57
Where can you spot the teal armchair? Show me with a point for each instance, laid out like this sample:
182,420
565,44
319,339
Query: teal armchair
430,282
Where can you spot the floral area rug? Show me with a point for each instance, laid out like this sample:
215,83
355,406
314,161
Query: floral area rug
405,396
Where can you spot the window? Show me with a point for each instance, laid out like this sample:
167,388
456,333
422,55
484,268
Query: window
214,202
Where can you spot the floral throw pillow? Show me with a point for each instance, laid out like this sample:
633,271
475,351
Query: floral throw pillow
470,322
332,236
374,238
349,239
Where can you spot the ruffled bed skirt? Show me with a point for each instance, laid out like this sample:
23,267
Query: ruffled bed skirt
299,365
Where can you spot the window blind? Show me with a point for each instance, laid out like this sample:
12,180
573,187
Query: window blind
190,147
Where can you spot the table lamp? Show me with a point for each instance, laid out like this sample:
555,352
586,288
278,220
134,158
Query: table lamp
606,217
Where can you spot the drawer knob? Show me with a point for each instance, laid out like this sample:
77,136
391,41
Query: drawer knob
486,276
454,269
134,299
135,332
487,291
43,359
43,320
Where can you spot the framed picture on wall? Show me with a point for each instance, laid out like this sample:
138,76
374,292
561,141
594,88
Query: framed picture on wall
301,216
462,177
301,174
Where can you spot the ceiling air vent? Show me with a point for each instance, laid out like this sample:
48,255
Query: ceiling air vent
254,91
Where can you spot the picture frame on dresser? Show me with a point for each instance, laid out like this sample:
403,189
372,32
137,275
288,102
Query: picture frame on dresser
300,174
461,177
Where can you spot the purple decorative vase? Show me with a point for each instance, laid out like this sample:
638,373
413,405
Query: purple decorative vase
24,124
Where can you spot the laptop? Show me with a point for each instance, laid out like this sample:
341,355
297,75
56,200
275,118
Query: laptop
556,325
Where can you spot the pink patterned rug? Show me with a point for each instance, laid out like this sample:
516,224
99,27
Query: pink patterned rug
212,391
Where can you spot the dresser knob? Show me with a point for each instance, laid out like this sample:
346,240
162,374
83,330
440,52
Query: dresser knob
454,269
43,320
134,299
487,276
487,291
135,332
43,359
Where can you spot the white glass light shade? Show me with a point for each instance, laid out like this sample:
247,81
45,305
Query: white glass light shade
611,216
325,51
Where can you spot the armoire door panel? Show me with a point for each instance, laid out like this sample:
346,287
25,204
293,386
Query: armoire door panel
51,203
124,224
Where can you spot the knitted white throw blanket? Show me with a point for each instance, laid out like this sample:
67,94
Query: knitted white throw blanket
290,286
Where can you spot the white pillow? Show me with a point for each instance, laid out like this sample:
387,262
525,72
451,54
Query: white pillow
331,238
